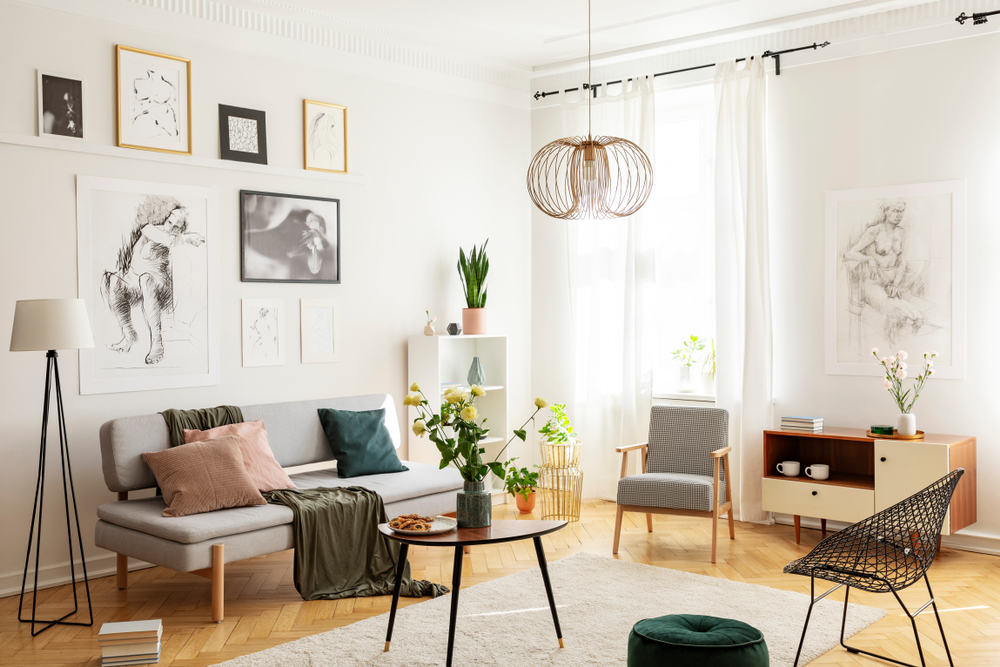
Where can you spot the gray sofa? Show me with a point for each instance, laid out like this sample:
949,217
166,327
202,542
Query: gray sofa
203,543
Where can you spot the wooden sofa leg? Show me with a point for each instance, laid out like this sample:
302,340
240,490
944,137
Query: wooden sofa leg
218,581
649,522
122,567
618,528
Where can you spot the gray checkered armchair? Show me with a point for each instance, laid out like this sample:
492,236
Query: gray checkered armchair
684,468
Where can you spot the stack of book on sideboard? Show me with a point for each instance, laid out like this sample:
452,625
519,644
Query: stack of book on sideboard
130,643
804,424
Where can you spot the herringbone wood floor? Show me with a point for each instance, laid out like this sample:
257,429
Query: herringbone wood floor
263,609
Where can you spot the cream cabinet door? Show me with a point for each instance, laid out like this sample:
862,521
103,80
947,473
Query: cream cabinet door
903,468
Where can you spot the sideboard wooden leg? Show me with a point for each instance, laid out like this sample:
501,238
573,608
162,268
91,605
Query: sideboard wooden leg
798,529
822,525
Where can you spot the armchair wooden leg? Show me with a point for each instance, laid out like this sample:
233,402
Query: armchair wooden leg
122,571
649,522
218,581
618,528
715,531
732,526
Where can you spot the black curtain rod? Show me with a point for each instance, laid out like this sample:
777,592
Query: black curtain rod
767,54
978,18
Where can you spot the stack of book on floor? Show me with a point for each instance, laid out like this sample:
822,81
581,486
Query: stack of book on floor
804,424
130,643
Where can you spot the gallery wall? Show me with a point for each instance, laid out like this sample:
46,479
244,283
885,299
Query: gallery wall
430,170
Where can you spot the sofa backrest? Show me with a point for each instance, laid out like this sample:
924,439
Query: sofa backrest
293,431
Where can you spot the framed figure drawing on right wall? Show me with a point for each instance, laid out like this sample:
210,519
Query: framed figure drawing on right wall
895,276
324,128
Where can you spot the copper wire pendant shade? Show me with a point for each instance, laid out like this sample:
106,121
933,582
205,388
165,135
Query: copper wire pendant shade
577,178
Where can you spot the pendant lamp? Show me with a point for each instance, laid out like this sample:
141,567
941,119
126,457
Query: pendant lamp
599,178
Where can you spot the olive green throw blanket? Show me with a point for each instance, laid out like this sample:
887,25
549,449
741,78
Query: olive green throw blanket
339,552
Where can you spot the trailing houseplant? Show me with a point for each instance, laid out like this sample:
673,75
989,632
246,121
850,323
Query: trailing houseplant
895,368
457,433
560,446
472,270
521,483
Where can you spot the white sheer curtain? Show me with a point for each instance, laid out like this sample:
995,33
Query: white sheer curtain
611,287
743,291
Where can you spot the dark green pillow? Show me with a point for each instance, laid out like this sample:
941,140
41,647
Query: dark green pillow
696,640
360,442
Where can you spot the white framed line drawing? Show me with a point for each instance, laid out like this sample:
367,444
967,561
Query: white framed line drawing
320,342
154,101
147,270
895,276
263,332
324,140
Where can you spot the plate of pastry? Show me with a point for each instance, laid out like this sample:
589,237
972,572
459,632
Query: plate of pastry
415,524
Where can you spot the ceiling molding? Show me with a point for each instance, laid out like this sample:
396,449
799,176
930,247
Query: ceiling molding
644,19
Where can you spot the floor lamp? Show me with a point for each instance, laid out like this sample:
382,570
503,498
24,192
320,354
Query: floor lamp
49,325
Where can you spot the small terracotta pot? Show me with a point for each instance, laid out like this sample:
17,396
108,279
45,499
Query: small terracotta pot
526,506
474,320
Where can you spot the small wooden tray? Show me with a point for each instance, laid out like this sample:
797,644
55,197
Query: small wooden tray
895,436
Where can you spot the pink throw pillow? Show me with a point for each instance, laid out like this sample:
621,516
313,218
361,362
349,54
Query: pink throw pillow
264,470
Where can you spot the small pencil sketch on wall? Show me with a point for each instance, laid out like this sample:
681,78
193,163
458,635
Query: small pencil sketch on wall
153,101
146,272
263,332
325,140
319,331
895,276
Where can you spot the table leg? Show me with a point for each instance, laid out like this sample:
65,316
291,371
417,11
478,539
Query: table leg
543,566
456,583
400,568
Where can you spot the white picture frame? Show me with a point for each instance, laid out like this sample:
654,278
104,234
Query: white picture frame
896,290
154,101
319,336
112,215
67,122
263,332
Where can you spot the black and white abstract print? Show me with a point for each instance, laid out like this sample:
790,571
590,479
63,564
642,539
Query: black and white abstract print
243,135
288,238
61,105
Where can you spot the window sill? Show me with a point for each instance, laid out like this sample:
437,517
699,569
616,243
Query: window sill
684,396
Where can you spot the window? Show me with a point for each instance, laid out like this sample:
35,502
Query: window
684,235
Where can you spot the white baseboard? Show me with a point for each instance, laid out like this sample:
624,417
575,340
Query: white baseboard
59,574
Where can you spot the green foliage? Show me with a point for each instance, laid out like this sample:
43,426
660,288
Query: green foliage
709,360
517,481
472,270
685,353
557,428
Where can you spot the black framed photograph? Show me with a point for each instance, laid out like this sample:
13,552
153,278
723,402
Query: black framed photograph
60,105
242,134
289,238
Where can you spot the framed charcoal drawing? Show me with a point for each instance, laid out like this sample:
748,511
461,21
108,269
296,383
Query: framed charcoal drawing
263,332
895,276
325,136
154,101
147,270
319,331
60,105
289,238
242,134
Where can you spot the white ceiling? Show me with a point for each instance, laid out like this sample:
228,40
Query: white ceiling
545,34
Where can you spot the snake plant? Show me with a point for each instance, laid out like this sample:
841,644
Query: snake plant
472,270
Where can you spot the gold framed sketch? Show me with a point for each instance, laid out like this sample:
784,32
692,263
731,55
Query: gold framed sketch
324,136
154,101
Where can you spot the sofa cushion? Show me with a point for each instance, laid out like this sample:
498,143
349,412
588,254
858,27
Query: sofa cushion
257,455
360,442
420,480
146,516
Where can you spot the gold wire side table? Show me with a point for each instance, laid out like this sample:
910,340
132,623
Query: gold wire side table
560,480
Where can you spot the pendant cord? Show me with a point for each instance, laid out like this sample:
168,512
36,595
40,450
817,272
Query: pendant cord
590,87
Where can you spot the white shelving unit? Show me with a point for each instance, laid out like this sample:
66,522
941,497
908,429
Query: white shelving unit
439,361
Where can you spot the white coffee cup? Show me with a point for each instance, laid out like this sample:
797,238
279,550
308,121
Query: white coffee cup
789,468
818,471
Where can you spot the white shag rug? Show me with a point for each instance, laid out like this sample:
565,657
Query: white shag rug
507,621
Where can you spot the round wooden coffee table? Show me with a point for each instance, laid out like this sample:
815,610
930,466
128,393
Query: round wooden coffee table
500,531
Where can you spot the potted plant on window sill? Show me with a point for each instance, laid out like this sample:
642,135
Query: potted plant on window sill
472,271
685,354
521,484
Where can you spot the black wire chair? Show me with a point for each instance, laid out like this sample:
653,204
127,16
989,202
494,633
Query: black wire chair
885,553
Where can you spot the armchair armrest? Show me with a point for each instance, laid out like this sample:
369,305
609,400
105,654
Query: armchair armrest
719,453
629,448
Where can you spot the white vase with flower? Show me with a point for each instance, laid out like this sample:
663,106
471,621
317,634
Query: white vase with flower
895,372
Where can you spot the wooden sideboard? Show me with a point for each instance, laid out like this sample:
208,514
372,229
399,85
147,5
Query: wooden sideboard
867,474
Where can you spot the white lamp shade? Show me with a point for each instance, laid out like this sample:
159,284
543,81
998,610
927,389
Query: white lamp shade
50,324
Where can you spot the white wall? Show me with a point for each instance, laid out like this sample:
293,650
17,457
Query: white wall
437,170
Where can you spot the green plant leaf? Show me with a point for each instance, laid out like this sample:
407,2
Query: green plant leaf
521,433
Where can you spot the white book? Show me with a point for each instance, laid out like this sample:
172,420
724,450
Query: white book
807,420
153,626
130,650
132,661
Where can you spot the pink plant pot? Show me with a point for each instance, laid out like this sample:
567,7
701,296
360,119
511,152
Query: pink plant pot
473,320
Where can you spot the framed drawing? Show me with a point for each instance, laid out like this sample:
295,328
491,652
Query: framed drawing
319,331
325,136
60,105
263,332
242,134
895,276
289,238
154,101
146,262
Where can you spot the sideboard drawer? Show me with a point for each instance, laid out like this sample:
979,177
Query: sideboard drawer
818,500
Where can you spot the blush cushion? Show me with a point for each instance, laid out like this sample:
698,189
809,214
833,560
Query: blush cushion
264,470
203,477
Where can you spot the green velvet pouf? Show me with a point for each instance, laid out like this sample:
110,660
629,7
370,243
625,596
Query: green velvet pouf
695,641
